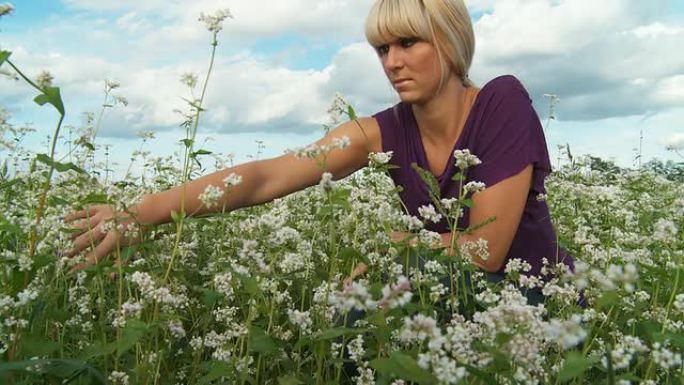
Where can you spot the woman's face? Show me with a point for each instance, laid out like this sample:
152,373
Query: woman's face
412,66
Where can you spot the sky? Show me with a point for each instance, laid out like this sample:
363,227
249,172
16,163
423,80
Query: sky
616,65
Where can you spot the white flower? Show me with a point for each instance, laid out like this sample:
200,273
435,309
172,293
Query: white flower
44,79
664,230
189,79
118,378
211,196
301,319
428,212
665,358
465,159
476,249
567,333
355,348
397,294
176,329
232,180
326,183
473,187
341,142
379,158
214,22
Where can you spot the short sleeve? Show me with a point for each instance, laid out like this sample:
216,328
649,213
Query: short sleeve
510,137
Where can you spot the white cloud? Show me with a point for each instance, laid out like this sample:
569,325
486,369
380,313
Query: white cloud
675,141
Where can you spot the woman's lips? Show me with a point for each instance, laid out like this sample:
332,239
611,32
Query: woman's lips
400,82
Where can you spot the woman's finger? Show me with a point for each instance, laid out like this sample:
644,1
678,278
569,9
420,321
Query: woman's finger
102,249
86,240
87,212
84,225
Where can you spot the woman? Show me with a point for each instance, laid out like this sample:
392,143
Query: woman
426,49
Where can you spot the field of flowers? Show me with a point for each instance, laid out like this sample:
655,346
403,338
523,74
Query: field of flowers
258,295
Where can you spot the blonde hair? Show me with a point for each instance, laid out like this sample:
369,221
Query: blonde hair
443,23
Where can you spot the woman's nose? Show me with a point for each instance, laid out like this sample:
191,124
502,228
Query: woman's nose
393,59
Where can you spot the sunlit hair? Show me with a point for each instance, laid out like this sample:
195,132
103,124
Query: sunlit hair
443,23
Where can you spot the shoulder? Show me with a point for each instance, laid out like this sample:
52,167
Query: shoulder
505,86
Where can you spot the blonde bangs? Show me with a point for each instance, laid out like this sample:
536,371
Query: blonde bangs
391,19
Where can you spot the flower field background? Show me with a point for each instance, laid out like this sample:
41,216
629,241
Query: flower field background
258,295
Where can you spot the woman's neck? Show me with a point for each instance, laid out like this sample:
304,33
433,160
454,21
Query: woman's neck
441,119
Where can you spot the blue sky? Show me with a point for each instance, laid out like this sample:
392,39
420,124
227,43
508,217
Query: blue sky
280,63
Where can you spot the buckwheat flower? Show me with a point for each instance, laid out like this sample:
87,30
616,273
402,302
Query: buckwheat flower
665,358
214,22
355,348
428,212
353,296
111,85
6,9
664,230
437,291
232,180
341,142
379,158
44,79
476,249
144,282
465,159
301,319
418,328
567,333
118,378
679,302
411,223
542,197
366,375
176,329
223,282
430,238
131,308
211,196
396,295
473,187
189,79
326,183
221,354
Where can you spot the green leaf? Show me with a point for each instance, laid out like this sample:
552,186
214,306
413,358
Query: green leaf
351,112
60,167
200,152
134,331
96,198
217,369
261,342
4,55
32,346
187,142
339,332
575,365
210,297
51,95
55,368
458,177
289,379
250,284
431,182
403,366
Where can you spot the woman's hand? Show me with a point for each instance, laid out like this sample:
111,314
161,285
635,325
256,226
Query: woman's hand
101,229
360,269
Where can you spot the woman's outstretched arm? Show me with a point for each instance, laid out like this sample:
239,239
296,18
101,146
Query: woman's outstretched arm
262,181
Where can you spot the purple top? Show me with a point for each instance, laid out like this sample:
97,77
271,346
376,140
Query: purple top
504,131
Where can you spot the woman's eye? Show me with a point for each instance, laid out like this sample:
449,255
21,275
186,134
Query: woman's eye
407,41
383,49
